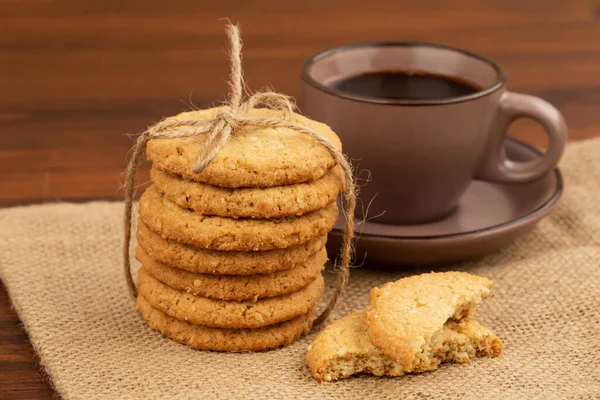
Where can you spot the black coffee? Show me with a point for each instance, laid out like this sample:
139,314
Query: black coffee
405,85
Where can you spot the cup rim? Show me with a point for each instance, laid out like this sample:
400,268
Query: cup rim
307,78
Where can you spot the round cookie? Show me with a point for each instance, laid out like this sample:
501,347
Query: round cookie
225,234
236,287
406,316
194,259
205,338
270,202
253,157
228,314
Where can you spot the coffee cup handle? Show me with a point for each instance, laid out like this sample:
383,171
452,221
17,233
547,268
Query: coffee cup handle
496,166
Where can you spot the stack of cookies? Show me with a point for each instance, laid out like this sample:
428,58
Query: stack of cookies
232,256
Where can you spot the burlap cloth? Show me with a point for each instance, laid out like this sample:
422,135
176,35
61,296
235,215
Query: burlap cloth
61,264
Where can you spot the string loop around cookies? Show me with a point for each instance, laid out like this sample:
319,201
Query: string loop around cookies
218,131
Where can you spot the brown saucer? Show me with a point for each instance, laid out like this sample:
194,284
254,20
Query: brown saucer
488,217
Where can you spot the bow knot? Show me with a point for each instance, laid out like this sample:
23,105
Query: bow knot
229,118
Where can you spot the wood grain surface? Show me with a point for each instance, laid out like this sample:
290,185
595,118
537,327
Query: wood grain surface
78,78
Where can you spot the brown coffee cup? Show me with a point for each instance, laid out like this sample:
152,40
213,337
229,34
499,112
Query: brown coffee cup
422,155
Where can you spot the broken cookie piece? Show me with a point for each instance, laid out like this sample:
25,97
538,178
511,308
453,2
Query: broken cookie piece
343,349
406,318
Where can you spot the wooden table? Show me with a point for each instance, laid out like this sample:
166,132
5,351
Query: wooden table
78,77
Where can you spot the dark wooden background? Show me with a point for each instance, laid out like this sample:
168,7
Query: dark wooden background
78,77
